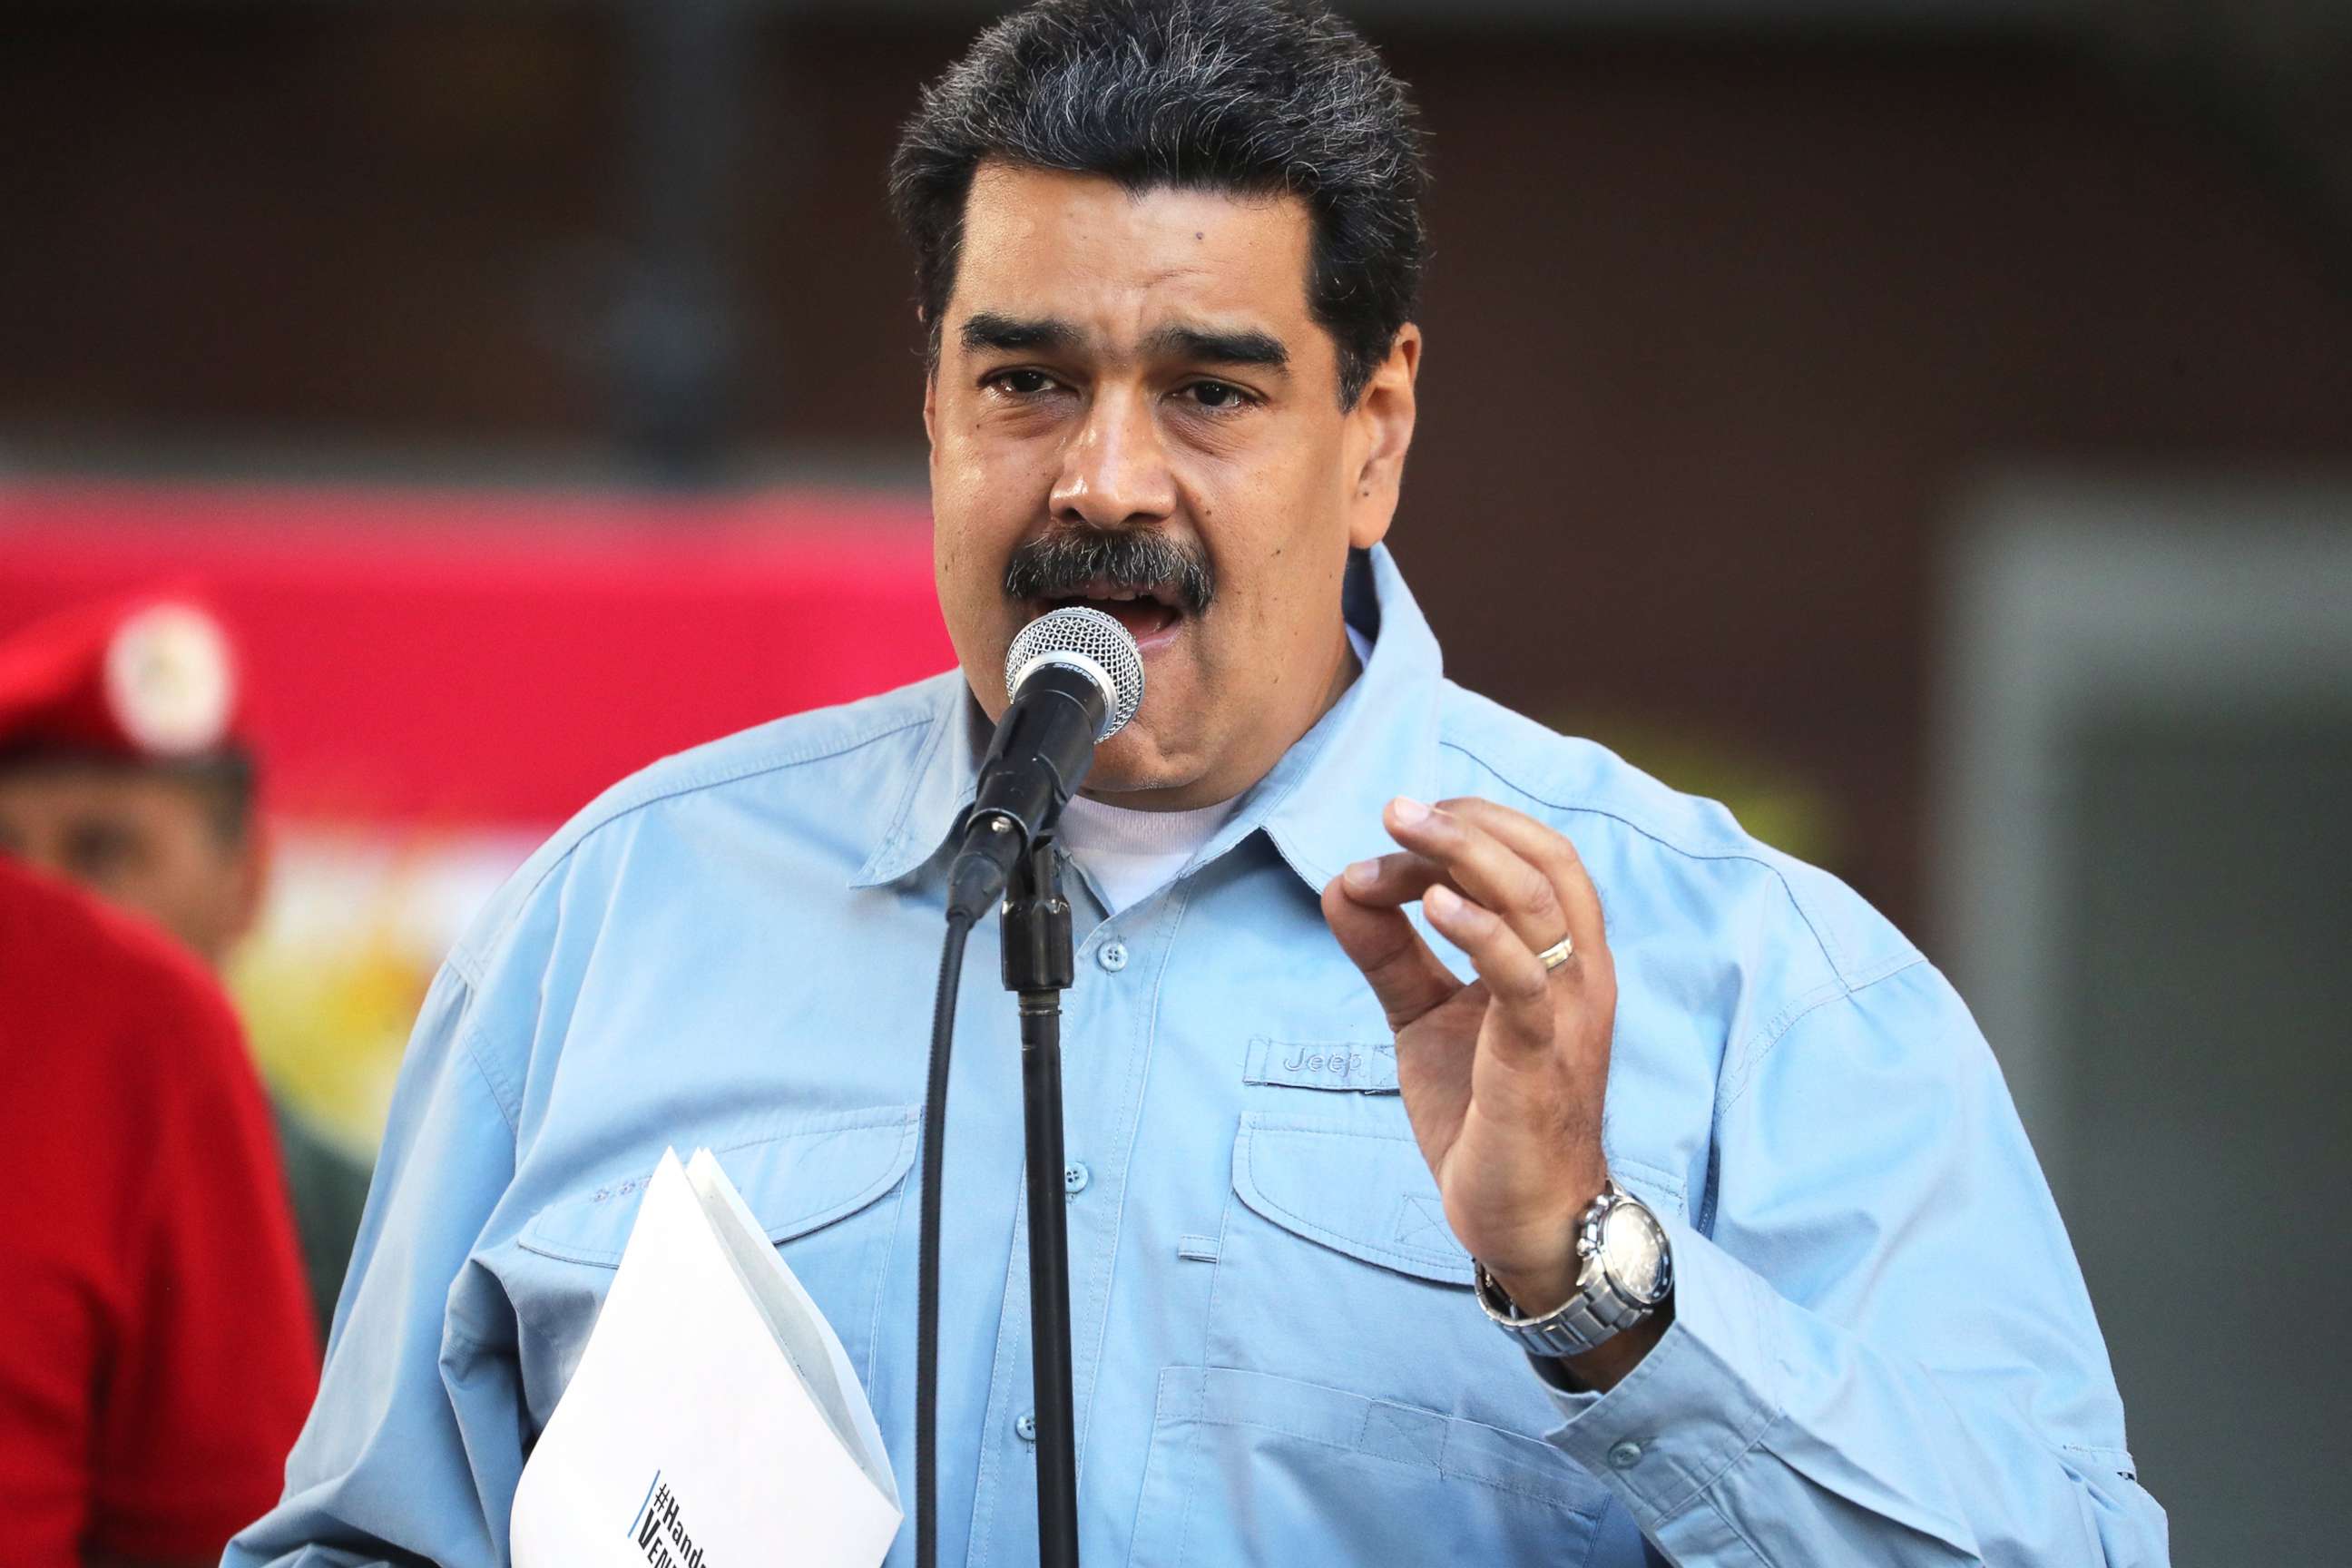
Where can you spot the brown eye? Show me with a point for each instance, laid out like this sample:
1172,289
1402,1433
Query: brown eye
1217,395
1020,383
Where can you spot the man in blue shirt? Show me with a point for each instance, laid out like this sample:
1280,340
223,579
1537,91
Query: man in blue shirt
1697,1228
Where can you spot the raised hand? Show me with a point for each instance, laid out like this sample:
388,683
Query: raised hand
1503,1078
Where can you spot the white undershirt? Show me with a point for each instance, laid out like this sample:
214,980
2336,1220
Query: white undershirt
1131,855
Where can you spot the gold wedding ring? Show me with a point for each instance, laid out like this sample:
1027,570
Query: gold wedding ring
1557,953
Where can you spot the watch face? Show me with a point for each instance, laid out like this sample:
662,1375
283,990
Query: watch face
1634,1251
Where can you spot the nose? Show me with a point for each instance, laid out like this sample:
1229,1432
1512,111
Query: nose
1115,471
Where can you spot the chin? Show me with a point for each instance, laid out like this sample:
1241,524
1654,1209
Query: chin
1133,762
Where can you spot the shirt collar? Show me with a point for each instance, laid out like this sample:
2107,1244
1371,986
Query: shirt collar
1321,803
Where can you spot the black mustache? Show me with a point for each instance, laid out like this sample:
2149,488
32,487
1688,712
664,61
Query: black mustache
1064,565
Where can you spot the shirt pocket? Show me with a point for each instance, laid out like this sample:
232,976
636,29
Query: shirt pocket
1336,1267
1352,1385
1336,1261
829,1193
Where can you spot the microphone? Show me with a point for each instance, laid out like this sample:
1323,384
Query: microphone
1075,678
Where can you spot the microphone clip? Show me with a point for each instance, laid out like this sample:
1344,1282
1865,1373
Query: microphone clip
1039,943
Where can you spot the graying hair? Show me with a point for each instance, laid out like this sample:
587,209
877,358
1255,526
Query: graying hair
1248,95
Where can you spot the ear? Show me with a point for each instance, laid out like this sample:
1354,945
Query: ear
252,874
931,396
1379,432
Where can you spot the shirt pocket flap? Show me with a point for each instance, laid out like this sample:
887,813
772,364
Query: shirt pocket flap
794,1182
1368,1194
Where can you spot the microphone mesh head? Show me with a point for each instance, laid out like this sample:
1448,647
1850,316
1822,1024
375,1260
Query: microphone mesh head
1075,635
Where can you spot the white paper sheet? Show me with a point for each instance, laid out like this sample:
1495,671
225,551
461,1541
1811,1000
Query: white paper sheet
714,1420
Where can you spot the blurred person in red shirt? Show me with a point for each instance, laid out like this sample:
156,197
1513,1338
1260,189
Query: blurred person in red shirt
156,1354
126,766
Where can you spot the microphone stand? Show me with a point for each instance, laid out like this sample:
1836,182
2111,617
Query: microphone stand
1039,965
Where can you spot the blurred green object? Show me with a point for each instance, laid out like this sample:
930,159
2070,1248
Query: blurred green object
329,1185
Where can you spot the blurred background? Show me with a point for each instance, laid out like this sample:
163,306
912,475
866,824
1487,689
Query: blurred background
1925,425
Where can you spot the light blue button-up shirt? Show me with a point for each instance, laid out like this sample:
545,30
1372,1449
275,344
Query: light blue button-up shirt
1882,1353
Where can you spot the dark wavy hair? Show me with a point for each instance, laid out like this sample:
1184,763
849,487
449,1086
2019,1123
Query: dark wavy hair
1248,95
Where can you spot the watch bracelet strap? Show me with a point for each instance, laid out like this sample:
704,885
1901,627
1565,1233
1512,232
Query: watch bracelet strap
1594,1315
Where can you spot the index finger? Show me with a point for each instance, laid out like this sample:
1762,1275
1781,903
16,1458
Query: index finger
1552,853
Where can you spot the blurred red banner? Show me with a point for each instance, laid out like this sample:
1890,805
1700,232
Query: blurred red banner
496,655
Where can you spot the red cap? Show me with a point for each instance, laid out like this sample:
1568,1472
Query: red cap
146,679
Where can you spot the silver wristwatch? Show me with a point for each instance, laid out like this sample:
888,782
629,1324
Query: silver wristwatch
1627,1274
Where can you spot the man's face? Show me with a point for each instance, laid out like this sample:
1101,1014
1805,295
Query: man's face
1115,365
148,842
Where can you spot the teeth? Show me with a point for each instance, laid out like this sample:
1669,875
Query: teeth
1103,593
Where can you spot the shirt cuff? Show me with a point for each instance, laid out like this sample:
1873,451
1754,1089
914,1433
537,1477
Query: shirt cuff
1697,1402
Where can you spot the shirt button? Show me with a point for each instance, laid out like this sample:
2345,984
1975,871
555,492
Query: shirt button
1025,1428
1075,1177
1626,1455
1112,956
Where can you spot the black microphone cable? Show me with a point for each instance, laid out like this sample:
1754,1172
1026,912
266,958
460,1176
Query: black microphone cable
927,1286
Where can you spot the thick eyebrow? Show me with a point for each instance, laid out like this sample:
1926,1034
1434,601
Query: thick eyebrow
1210,346
985,331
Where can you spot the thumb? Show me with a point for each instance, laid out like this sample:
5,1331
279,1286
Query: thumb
1397,963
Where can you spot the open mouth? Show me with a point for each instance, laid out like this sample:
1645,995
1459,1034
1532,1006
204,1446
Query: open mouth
1150,616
